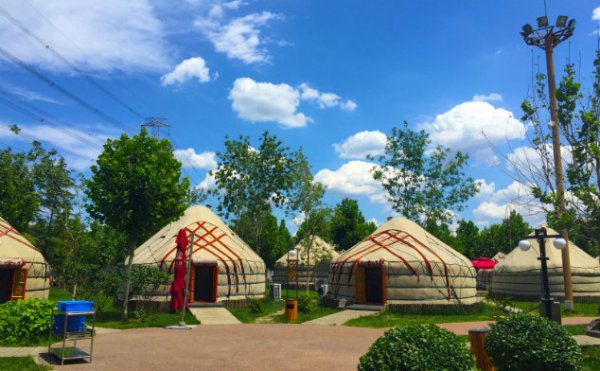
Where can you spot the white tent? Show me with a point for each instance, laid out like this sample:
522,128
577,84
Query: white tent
519,274
23,270
225,268
401,263
311,267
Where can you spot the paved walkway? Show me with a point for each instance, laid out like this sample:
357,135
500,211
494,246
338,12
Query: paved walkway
21,351
339,318
214,316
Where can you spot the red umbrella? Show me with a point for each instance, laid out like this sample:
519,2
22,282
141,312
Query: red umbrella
483,263
179,271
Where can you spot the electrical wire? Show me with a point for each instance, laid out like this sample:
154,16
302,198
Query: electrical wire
88,78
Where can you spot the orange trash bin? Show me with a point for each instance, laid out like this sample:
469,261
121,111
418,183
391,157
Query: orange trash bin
291,310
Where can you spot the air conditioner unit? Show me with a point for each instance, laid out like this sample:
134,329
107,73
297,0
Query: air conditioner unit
276,291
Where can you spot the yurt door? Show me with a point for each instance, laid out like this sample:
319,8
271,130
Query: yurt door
374,285
205,283
5,284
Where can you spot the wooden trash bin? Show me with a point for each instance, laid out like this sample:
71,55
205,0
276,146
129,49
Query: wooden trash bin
483,360
291,310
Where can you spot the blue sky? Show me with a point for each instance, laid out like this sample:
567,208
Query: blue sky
330,76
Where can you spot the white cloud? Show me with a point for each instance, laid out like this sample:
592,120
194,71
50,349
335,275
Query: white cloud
353,178
492,97
79,148
264,102
189,158
497,204
325,100
485,188
239,38
528,160
186,70
596,14
113,34
27,95
207,183
361,144
473,127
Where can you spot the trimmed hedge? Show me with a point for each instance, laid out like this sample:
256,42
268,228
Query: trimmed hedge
423,347
523,342
25,322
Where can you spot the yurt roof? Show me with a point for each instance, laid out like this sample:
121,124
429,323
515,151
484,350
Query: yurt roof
518,260
213,240
13,245
499,256
402,240
319,248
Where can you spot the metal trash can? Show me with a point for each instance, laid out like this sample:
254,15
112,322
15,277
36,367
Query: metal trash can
477,338
291,310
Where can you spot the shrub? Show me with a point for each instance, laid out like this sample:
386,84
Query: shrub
306,304
425,347
522,342
25,322
255,305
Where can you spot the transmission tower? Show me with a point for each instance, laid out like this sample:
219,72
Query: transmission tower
154,124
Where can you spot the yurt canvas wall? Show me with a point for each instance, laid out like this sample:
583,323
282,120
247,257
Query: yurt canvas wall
224,268
321,255
519,275
24,272
400,263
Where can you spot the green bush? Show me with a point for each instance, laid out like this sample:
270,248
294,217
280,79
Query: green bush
25,322
523,342
255,305
306,304
417,347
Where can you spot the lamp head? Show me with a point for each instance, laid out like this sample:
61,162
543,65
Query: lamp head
527,30
524,245
293,253
571,25
560,243
561,21
542,22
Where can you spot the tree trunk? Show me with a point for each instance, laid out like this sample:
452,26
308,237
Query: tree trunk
310,241
128,281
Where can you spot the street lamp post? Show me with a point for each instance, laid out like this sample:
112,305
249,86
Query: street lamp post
541,234
547,37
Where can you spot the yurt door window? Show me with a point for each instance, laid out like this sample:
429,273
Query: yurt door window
374,285
205,283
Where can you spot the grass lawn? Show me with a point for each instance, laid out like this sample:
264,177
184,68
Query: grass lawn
387,318
246,315
21,364
591,358
581,309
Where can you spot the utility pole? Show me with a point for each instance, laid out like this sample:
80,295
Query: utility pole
547,37
155,123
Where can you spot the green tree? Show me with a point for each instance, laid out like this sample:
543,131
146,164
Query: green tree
275,242
136,188
441,231
251,182
504,236
467,239
307,198
422,184
579,124
19,201
348,225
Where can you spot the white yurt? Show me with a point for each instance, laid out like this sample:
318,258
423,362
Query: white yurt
224,268
401,263
24,273
312,264
519,274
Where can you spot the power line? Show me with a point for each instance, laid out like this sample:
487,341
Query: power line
61,89
46,46
27,111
